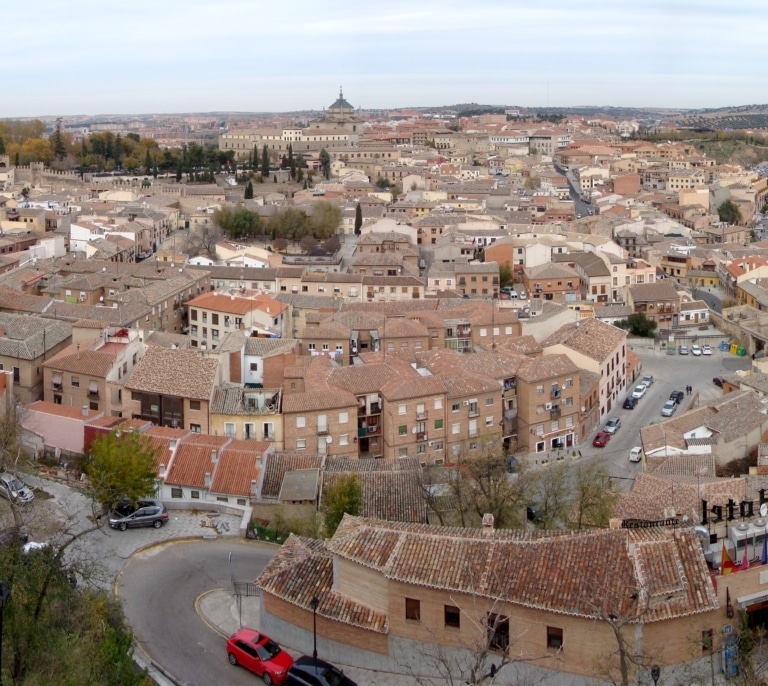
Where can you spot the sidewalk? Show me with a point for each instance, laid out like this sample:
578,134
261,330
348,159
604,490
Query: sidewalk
220,609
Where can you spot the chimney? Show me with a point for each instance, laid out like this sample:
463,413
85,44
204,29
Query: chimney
487,523
161,471
207,479
78,351
254,487
85,410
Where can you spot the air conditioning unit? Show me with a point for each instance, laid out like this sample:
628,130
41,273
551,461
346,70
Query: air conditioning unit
466,403
431,444
548,406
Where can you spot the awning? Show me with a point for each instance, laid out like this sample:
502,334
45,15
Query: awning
93,386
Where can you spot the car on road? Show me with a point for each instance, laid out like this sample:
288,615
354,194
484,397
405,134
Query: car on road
718,381
15,489
601,439
682,350
639,391
612,425
695,350
677,396
706,350
647,380
309,671
144,513
629,403
259,654
636,454
669,408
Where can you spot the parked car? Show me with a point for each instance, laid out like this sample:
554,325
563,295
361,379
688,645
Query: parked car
259,654
522,295
15,489
612,425
682,350
677,396
648,380
636,454
601,440
145,513
669,408
718,381
534,513
695,350
509,291
639,391
308,671
629,403
706,350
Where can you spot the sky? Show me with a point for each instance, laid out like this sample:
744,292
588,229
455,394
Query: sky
167,56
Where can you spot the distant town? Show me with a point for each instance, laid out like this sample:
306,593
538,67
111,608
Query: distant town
527,346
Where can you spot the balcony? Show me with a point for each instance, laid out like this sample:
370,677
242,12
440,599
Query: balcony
421,416
473,433
322,430
370,430
554,413
56,387
555,393
421,436
93,394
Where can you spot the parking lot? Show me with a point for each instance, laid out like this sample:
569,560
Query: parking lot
670,373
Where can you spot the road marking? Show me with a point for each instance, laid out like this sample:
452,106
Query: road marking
199,613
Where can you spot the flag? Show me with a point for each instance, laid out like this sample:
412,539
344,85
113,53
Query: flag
764,554
726,564
744,558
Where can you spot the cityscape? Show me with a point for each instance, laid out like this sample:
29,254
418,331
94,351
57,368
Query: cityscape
415,345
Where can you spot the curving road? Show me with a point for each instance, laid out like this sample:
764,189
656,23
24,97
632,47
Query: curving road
158,589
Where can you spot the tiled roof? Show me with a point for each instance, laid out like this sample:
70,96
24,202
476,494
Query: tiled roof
587,574
96,363
659,290
590,337
279,464
69,411
26,337
190,464
238,467
546,367
180,373
266,347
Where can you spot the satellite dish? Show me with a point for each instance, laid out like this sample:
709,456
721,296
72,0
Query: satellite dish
764,510
413,430
329,439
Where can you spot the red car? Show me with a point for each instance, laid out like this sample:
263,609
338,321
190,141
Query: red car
259,654
601,439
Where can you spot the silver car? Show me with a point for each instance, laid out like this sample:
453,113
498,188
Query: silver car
669,408
15,489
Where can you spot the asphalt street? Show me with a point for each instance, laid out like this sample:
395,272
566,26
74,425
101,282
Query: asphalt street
159,588
671,373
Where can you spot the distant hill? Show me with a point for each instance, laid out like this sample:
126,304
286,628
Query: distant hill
726,118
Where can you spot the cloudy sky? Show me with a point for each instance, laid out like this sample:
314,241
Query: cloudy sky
96,57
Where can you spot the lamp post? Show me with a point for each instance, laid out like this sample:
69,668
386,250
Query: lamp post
4,593
313,604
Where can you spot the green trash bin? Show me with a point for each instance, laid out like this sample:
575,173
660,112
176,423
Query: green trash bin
741,352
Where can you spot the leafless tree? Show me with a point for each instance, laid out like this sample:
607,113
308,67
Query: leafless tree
594,495
202,240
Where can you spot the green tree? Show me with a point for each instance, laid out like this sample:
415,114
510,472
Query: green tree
505,274
729,212
121,466
325,219
638,325
240,223
147,163
57,141
291,162
290,224
533,183
265,161
249,191
358,219
2,146
178,173
325,163
343,496
595,495
255,165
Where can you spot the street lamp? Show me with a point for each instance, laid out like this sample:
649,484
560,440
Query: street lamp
313,604
4,593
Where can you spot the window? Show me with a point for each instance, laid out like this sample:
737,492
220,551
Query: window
195,428
344,439
438,445
215,319
193,315
301,444
498,632
343,417
455,407
402,430
177,493
452,616
438,403
229,429
301,422
540,390
438,423
402,409
194,404
16,375
75,382
254,366
402,452
456,428
94,406
569,422
489,421
413,609
489,400
554,638
195,495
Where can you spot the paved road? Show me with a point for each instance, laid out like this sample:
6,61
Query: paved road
670,372
159,588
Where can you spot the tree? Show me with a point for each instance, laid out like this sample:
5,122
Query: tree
729,212
147,163
279,244
241,223
57,140
358,219
178,173
332,244
325,219
308,243
290,224
2,146
265,161
291,162
551,490
249,191
595,495
325,163
255,157
505,274
121,466
533,183
638,325
343,496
